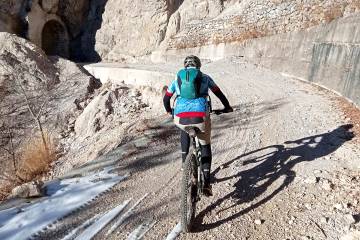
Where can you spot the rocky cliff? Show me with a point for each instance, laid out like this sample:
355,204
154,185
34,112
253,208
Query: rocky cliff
136,28
38,96
113,30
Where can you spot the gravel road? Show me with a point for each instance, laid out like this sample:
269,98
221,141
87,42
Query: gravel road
285,166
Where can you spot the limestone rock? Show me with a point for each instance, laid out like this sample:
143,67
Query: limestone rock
355,235
21,56
55,85
50,6
133,27
145,25
74,13
26,190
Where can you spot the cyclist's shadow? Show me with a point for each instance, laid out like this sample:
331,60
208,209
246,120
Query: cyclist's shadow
277,162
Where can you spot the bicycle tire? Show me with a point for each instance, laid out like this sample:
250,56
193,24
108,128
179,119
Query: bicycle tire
188,193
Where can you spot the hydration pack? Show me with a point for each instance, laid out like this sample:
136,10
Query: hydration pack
189,81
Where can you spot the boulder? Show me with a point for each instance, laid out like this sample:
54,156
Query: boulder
30,189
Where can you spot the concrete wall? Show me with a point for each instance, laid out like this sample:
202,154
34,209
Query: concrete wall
328,55
137,77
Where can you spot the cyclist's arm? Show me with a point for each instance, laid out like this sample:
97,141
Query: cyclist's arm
218,93
169,93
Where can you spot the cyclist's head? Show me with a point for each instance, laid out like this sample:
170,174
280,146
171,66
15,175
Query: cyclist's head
192,61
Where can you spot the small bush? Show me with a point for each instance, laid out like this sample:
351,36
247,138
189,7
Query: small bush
332,14
35,159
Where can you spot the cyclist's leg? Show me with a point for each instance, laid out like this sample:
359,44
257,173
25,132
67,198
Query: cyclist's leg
206,155
184,139
185,144
206,158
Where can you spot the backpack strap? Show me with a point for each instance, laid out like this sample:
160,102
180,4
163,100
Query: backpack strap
198,82
179,82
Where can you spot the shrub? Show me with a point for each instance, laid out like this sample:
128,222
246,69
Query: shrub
35,158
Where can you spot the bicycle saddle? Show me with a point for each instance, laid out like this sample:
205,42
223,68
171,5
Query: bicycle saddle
192,131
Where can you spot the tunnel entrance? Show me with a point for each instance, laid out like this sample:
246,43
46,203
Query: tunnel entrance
55,39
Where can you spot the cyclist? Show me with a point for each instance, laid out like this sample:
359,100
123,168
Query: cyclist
194,110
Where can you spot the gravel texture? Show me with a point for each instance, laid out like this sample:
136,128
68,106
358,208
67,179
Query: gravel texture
285,166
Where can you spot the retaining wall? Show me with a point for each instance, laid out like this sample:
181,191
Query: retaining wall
328,55
138,77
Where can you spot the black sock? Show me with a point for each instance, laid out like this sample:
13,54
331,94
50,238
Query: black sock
206,171
184,155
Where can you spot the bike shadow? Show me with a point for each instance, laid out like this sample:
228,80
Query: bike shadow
273,163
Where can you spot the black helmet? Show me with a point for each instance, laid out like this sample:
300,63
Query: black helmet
192,61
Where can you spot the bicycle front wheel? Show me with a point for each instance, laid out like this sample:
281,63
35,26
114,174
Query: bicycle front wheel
188,193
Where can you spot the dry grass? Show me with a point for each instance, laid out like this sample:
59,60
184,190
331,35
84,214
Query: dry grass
35,159
333,14
352,112
34,162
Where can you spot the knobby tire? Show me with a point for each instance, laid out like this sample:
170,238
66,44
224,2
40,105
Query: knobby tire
188,192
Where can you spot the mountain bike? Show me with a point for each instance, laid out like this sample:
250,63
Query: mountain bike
192,180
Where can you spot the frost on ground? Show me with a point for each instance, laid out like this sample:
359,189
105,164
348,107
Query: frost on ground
126,215
175,232
141,230
98,225
65,196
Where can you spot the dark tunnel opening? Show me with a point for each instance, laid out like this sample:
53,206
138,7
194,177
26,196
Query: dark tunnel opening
55,39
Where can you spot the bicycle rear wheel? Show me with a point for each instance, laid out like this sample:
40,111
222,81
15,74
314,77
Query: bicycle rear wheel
188,192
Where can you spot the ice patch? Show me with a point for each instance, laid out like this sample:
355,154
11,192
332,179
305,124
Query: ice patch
65,197
125,216
141,230
174,233
86,224
96,227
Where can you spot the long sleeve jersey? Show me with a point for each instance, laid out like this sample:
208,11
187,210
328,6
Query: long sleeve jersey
193,107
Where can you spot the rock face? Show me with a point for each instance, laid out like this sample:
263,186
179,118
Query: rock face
139,27
114,30
112,104
135,28
12,16
131,28
250,19
21,60
56,90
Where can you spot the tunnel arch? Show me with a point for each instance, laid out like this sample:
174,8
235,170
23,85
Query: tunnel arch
54,39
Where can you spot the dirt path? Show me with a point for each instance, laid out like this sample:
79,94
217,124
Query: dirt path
284,167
